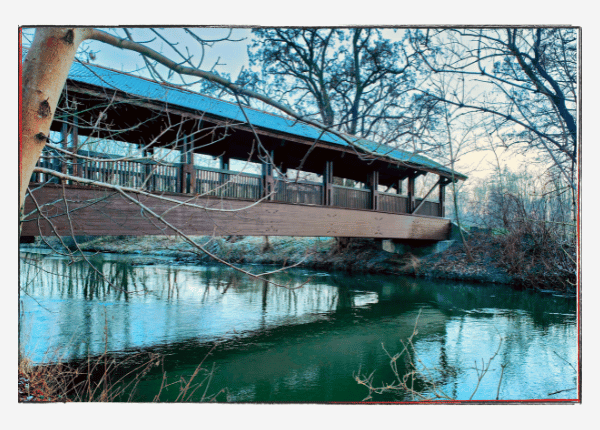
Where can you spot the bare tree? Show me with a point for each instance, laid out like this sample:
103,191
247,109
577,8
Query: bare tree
455,136
44,73
526,81
355,80
420,382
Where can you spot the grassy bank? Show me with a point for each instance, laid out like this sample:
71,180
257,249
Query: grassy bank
495,258
490,262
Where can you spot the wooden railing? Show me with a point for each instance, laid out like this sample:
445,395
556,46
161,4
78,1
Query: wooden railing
167,177
428,208
227,183
395,203
125,173
353,198
304,192
151,175
50,159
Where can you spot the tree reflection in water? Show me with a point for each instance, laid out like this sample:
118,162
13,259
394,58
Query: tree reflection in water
277,344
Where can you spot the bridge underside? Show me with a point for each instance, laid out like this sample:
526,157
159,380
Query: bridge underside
90,211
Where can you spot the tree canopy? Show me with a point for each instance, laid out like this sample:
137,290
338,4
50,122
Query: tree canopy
357,80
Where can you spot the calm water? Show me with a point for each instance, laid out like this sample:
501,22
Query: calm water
271,344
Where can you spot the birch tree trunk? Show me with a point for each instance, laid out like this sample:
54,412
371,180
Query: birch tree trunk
43,75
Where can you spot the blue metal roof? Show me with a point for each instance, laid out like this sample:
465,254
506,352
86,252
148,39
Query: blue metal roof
137,86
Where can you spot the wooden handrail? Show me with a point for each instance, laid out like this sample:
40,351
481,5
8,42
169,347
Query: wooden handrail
163,173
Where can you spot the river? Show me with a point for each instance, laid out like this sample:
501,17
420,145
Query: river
267,343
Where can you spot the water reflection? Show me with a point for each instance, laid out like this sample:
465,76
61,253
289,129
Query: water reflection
155,304
277,344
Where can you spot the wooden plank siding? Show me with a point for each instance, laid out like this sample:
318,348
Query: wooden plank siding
95,211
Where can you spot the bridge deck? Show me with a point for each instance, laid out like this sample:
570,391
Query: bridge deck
96,211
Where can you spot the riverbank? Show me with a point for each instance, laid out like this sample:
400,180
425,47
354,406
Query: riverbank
358,256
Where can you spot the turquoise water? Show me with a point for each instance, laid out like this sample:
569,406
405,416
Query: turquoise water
266,343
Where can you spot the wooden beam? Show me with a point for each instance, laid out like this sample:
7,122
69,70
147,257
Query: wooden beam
150,183
188,174
411,173
224,164
410,203
328,184
96,211
268,180
74,145
64,138
442,196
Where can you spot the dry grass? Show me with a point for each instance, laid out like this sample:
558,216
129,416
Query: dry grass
107,379
537,257
410,264
537,239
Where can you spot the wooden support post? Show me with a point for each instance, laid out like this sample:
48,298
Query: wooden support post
442,198
190,165
187,177
155,178
77,170
224,162
374,183
179,187
182,171
411,194
327,184
399,187
148,171
62,166
268,181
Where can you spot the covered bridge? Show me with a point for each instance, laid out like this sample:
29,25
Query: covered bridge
296,180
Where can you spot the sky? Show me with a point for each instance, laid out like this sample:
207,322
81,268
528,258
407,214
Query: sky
231,55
